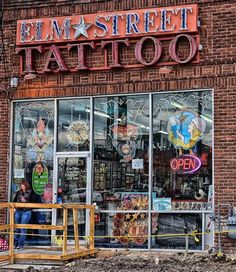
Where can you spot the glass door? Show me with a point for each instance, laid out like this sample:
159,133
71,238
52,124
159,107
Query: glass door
71,186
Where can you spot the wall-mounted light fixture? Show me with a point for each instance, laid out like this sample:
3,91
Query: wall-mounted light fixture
199,23
14,82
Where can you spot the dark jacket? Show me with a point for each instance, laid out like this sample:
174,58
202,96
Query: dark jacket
28,197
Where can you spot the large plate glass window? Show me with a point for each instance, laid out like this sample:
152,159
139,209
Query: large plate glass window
73,125
121,142
120,229
182,154
168,230
32,153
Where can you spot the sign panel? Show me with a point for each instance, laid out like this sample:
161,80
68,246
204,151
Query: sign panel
19,173
137,164
162,204
39,178
109,25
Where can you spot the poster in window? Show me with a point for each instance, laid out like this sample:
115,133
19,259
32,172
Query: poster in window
125,138
39,178
185,129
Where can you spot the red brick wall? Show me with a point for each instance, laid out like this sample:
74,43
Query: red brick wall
216,70
4,144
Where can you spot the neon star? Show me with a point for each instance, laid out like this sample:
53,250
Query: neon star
81,28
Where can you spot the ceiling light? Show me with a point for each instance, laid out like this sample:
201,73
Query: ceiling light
14,82
206,118
177,105
99,113
142,126
163,132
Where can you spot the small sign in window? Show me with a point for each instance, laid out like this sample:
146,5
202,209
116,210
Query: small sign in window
137,164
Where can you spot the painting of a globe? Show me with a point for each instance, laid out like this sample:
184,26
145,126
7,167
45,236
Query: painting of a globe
185,129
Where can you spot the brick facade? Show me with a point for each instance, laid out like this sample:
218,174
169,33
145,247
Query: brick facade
216,70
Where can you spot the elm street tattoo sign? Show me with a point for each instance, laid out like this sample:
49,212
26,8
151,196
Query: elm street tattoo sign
111,31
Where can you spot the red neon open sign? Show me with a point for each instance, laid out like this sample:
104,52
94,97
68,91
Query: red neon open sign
185,164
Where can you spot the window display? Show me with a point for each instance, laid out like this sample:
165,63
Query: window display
32,153
115,226
72,179
182,153
33,147
121,136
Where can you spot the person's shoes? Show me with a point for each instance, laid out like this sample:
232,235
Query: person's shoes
16,244
18,248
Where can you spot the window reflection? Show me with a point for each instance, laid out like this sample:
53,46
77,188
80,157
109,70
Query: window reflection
167,230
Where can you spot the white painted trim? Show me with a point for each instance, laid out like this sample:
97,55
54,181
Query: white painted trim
150,170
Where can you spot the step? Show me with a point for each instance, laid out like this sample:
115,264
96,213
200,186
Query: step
21,267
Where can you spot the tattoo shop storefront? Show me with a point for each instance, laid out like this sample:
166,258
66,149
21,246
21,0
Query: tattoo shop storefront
143,156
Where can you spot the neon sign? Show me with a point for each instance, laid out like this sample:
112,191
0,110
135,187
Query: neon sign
185,164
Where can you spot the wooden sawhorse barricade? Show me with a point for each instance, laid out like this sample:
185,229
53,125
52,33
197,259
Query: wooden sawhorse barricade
51,253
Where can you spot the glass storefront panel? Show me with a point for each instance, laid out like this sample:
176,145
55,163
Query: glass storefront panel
72,180
182,163
182,151
40,237
167,230
73,125
71,188
120,230
33,148
121,141
32,153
